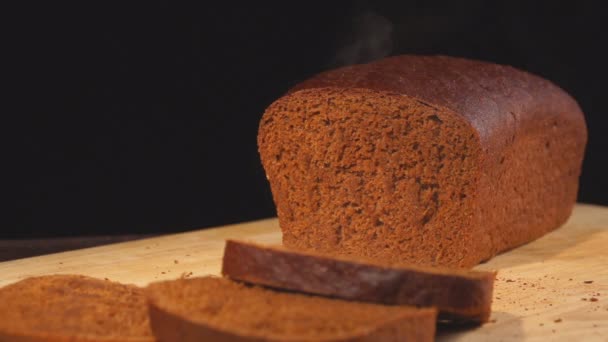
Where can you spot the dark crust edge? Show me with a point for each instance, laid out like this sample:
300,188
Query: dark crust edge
457,297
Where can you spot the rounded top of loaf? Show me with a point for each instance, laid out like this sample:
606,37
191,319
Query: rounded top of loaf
499,101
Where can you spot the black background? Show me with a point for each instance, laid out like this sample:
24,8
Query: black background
141,118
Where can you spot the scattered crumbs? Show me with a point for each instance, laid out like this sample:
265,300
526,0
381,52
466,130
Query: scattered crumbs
588,282
163,272
176,261
186,275
593,299
106,279
525,283
559,320
492,321
526,309
570,279
510,281
584,299
497,297
188,255
550,304
541,324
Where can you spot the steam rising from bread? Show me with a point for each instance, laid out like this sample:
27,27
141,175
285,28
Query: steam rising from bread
370,39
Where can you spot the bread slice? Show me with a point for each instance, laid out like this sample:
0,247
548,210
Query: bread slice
459,295
428,159
218,309
73,308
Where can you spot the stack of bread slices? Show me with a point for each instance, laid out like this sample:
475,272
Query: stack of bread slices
268,293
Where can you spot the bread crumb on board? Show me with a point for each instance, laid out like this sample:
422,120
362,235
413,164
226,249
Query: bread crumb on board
588,282
559,320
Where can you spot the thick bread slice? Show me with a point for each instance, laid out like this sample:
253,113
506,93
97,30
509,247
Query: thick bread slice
218,309
73,308
458,294
427,159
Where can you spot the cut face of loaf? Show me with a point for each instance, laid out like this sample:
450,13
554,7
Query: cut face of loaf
459,295
218,309
73,308
362,172
430,160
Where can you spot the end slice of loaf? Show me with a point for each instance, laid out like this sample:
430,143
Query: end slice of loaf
73,308
459,295
218,309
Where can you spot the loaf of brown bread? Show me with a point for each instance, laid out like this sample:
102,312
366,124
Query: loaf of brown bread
459,295
431,160
73,308
218,309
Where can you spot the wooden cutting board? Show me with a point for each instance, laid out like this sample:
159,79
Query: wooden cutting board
555,288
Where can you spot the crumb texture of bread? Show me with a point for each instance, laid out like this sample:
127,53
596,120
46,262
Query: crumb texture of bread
430,160
459,295
73,308
218,309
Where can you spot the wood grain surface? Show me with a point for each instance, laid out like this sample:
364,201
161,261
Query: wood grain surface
553,289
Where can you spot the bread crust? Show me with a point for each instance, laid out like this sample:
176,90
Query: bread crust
499,101
458,295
